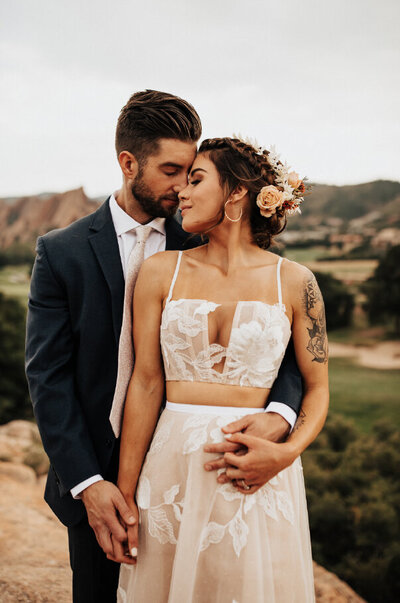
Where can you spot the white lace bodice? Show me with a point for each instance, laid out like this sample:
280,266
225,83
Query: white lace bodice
259,335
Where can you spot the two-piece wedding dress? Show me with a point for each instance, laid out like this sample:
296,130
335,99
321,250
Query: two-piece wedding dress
200,541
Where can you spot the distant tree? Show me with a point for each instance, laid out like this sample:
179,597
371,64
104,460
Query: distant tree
16,255
14,397
339,301
353,494
382,290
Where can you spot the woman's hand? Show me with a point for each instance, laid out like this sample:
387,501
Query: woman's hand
268,425
126,551
260,463
133,533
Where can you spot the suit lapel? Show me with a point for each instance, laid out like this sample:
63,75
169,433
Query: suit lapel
103,241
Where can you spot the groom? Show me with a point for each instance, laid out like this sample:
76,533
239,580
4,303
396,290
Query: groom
73,327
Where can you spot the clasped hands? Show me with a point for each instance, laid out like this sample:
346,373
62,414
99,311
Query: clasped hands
252,454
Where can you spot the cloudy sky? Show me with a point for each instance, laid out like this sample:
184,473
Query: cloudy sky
320,80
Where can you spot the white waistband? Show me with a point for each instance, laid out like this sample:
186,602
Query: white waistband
200,409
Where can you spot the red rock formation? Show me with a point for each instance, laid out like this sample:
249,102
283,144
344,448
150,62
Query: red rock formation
25,219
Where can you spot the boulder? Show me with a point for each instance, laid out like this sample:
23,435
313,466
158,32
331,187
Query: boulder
20,443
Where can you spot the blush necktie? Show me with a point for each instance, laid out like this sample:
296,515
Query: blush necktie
125,349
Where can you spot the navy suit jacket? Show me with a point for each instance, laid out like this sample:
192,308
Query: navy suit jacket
73,326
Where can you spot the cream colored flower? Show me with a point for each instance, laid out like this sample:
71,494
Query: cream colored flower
294,180
269,199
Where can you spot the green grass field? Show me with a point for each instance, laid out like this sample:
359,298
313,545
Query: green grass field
362,394
304,255
350,271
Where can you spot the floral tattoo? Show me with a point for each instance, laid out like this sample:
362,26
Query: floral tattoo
301,419
315,311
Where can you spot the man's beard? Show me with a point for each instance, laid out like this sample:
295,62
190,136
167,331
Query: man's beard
149,203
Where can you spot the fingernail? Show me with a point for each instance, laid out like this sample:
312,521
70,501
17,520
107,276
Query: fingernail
131,519
206,449
228,436
134,551
207,467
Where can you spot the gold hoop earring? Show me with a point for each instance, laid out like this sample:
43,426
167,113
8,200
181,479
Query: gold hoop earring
226,215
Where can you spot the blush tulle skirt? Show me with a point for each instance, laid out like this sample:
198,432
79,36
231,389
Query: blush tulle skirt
203,542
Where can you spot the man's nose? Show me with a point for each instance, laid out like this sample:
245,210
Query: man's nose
181,183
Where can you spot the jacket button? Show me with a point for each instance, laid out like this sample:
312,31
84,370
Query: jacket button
108,443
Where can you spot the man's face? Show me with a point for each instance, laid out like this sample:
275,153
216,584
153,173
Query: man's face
163,176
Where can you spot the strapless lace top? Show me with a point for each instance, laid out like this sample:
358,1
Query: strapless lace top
258,339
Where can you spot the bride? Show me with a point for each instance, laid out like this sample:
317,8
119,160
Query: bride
214,334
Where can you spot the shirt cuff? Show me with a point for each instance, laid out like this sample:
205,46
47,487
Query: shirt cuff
285,411
76,490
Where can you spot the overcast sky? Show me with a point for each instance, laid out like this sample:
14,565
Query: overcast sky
320,80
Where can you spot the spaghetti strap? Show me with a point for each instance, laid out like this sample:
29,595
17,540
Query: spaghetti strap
278,278
178,263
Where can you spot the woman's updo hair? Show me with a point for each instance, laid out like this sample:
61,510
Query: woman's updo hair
238,162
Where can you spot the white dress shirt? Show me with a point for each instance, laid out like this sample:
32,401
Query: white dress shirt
125,227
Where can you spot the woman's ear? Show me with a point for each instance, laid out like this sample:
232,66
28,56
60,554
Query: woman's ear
129,165
238,194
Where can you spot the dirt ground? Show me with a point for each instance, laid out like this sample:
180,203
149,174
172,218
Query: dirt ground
384,355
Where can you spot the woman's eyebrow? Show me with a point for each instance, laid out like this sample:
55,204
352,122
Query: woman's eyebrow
198,170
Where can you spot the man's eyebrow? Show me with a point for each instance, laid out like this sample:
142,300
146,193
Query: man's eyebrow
198,170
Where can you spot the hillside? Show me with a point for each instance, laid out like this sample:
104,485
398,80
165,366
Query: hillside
24,219
326,203
374,205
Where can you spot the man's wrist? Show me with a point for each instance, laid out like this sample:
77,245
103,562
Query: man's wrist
77,490
284,411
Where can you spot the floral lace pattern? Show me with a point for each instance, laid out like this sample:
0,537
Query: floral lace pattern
259,335
162,518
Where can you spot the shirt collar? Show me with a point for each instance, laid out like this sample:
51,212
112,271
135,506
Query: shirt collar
123,222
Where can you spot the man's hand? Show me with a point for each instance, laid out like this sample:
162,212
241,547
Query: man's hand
269,426
108,514
262,461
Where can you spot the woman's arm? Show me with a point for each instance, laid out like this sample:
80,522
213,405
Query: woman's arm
265,459
311,347
146,387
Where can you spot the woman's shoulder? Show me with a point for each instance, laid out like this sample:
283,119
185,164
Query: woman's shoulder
296,280
161,263
157,272
295,272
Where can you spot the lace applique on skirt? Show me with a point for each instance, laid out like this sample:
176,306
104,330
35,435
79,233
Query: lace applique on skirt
212,542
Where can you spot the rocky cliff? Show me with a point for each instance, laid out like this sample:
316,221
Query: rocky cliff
25,219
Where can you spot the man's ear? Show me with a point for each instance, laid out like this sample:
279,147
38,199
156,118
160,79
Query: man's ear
129,165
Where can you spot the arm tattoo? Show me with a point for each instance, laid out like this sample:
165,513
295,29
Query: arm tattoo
301,419
317,345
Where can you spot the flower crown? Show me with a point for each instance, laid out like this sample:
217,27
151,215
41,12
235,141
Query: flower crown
287,193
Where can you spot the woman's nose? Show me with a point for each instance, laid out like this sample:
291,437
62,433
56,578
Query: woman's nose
183,194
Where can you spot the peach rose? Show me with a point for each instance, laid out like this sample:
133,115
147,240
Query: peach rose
269,199
294,180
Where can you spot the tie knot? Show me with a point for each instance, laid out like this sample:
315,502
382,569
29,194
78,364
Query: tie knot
142,233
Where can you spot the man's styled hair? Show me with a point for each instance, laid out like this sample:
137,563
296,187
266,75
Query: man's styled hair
151,115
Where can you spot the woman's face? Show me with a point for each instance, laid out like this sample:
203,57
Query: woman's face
202,200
